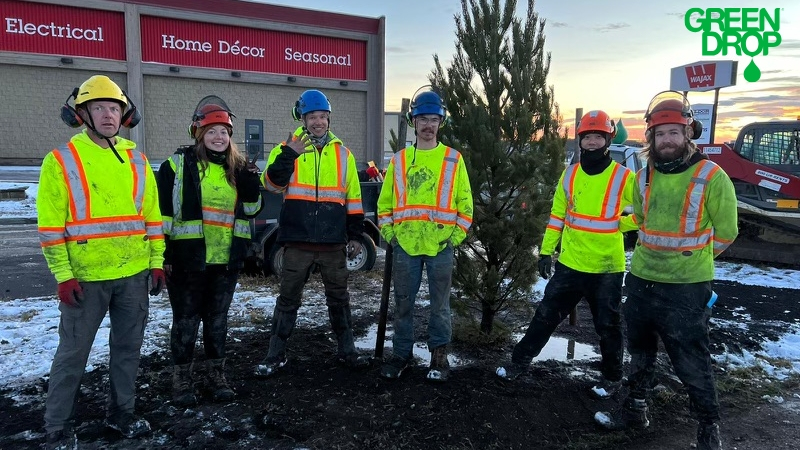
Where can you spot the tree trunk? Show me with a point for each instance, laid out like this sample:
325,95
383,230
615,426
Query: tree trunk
487,318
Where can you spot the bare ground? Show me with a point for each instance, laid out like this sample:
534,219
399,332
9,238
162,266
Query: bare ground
315,404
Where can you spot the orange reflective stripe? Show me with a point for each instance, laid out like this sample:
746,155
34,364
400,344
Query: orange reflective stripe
75,180
400,178
693,203
608,219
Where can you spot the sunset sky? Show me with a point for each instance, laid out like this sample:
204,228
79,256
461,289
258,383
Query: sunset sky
610,55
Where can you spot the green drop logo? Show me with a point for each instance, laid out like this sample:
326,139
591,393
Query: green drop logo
752,73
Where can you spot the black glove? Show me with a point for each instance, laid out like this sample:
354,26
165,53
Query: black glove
545,264
251,182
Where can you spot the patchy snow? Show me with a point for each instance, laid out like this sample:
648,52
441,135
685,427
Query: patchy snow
29,326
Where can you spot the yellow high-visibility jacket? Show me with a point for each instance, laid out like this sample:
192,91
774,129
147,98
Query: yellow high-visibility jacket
321,193
587,217
687,219
426,200
98,219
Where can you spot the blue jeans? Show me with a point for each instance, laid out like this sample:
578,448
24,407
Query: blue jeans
407,279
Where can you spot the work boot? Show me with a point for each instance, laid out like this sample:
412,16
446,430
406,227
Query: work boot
64,439
282,325
511,372
276,358
182,386
341,323
632,414
216,382
605,389
129,425
394,367
440,366
708,437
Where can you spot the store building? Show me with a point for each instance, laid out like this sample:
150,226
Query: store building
168,54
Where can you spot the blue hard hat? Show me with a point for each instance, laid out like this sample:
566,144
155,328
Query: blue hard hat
428,103
312,100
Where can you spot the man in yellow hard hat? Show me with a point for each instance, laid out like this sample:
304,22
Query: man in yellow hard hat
100,231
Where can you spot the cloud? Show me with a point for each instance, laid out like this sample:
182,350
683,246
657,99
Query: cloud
612,27
558,24
396,50
677,14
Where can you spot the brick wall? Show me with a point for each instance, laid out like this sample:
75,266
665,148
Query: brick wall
171,101
30,119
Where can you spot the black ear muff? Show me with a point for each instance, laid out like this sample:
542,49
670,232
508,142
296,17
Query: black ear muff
697,129
296,111
409,119
132,116
68,114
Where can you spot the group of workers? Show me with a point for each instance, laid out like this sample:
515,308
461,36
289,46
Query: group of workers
112,231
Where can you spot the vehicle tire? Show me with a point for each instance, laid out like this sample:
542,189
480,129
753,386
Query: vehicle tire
275,259
364,260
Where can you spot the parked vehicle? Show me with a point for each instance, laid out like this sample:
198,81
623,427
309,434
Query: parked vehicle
764,165
267,256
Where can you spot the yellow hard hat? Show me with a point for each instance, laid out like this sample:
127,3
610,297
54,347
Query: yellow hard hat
100,87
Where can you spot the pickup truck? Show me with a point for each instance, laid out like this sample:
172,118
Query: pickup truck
265,255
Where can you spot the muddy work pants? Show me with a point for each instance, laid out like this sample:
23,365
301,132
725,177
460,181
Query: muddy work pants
677,314
127,304
201,296
603,293
296,266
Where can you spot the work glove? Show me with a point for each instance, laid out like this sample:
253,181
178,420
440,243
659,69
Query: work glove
70,293
251,181
353,249
545,264
158,280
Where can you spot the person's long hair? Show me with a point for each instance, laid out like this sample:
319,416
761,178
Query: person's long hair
234,159
650,138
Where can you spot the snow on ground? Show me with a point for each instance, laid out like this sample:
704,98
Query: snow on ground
29,326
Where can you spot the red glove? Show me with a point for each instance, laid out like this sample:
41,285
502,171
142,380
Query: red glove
372,172
158,281
70,293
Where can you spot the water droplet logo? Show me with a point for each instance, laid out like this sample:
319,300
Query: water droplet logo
752,73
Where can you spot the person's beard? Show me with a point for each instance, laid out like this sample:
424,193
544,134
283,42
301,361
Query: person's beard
668,152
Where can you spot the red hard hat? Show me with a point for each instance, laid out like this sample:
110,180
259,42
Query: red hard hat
597,121
211,110
668,107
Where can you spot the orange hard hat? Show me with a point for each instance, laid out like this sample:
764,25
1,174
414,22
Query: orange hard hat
211,110
596,121
668,107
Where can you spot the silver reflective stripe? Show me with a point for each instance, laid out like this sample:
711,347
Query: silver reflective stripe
448,178
592,223
384,220
695,196
674,243
166,224
138,167
71,166
641,181
399,177
187,230
464,222
425,213
298,191
615,192
50,237
98,230
251,208
218,217
555,223
241,228
720,247
341,152
154,231
567,184
354,205
177,186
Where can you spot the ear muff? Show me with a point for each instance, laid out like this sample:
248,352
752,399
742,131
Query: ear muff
697,129
68,114
409,119
296,111
132,116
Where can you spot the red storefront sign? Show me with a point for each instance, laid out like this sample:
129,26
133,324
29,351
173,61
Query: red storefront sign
62,30
701,75
185,43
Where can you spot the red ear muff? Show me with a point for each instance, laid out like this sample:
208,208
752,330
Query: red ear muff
697,129
68,114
